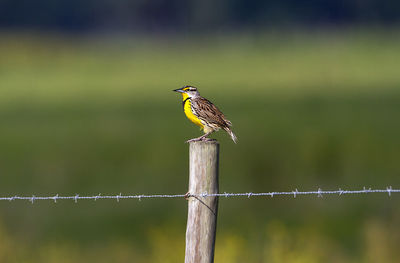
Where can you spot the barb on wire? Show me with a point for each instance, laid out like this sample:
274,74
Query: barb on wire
319,193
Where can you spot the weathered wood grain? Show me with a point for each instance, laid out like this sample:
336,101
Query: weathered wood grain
202,212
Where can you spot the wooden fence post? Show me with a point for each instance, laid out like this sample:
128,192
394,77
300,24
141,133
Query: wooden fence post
202,211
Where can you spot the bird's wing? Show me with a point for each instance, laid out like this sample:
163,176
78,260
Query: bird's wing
207,111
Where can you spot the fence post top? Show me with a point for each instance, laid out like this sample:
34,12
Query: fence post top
211,141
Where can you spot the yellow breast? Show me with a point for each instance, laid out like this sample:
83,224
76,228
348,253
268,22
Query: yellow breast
189,114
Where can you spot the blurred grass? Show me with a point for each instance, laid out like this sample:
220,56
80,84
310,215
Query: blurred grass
64,69
98,115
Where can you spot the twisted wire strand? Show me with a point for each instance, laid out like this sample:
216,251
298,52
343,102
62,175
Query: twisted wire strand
318,193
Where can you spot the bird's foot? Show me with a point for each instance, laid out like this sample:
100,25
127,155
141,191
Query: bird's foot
205,139
200,139
193,140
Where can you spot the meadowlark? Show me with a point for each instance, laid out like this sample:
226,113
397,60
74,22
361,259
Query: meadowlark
203,113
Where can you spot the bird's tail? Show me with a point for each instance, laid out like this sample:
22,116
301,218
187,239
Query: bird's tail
233,136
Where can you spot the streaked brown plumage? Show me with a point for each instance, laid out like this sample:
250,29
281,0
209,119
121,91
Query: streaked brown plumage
209,113
204,113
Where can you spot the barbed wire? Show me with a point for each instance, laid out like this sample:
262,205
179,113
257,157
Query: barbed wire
318,193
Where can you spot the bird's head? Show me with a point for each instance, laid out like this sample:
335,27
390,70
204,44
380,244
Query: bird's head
188,92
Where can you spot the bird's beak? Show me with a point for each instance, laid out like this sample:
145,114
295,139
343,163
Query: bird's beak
179,90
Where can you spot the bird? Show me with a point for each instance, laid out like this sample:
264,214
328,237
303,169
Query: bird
203,113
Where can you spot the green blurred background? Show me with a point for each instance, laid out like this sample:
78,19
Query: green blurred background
88,109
